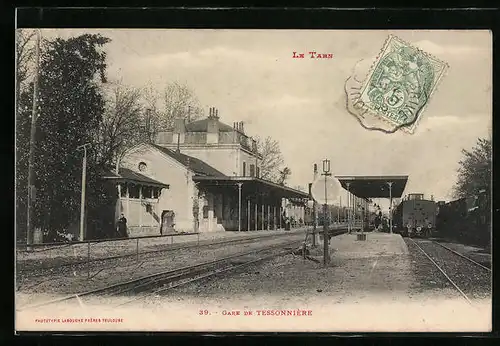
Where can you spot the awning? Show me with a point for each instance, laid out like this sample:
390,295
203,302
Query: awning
255,185
128,176
374,186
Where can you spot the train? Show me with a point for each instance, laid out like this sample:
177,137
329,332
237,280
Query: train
415,216
467,219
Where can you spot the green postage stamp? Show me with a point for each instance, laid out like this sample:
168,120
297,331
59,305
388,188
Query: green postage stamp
401,82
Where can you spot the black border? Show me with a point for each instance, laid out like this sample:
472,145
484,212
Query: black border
257,18
263,18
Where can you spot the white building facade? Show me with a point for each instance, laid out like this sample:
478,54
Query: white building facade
212,172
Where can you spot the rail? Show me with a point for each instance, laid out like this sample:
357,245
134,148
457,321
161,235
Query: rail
19,246
56,244
166,280
463,256
458,277
442,272
40,269
154,279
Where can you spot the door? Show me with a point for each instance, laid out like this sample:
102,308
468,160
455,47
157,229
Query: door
167,222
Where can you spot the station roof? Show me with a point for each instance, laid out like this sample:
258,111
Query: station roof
128,176
198,166
255,185
374,186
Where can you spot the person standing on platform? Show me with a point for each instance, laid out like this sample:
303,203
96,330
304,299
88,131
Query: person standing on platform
122,226
377,222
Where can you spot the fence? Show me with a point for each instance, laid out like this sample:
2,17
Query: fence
21,245
87,252
84,253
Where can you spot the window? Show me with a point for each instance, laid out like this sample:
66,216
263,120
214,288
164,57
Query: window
252,170
156,192
244,168
123,190
133,191
257,173
147,192
142,166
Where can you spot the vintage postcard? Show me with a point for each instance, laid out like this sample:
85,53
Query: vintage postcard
253,180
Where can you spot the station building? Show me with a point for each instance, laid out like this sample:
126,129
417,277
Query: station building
201,176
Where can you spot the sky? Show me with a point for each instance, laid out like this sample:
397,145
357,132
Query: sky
250,76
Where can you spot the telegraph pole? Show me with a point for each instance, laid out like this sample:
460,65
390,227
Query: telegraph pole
31,170
315,214
239,206
84,178
390,206
326,252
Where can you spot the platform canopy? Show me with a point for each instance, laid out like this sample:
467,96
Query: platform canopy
254,185
374,186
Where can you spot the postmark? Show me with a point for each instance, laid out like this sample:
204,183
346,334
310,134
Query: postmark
401,83
356,107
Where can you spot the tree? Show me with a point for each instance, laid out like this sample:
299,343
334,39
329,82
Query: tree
70,108
24,56
180,102
122,124
284,175
154,118
474,173
272,159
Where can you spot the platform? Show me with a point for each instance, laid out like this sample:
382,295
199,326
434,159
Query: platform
376,244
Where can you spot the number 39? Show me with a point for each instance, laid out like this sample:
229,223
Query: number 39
203,312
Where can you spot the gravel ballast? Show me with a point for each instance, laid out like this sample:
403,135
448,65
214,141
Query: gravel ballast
103,274
473,280
42,257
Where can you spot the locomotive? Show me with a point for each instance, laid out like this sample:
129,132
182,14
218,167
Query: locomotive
415,216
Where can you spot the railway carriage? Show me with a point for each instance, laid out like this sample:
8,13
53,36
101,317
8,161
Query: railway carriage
415,216
467,219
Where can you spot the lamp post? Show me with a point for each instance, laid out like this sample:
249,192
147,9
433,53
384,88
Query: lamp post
84,177
239,206
390,206
362,215
348,209
315,212
326,173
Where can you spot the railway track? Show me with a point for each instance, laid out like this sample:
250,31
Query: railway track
161,282
463,256
170,277
41,270
470,278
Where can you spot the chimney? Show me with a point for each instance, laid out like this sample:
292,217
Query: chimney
213,127
242,129
213,113
180,130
